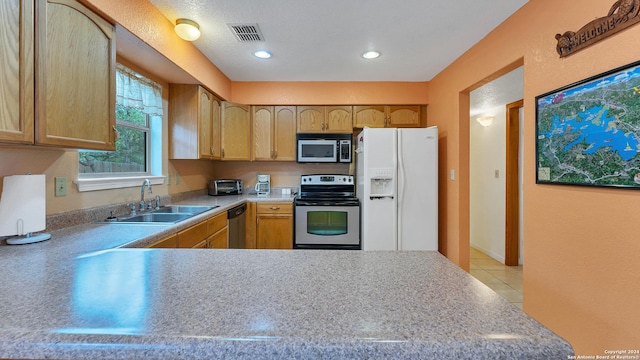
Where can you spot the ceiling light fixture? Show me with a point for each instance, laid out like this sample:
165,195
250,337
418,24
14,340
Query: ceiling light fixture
372,54
485,120
187,29
262,54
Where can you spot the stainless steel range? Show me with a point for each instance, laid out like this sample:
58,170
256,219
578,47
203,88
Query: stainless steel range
327,213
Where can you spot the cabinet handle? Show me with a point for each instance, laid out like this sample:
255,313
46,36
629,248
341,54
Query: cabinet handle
275,154
117,134
274,208
223,152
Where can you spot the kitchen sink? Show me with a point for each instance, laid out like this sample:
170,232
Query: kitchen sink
169,214
153,218
185,209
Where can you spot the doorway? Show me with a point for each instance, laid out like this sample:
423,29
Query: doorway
494,167
495,150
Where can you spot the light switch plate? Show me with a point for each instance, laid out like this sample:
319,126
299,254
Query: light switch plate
61,186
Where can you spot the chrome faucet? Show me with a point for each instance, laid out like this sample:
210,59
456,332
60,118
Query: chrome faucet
148,184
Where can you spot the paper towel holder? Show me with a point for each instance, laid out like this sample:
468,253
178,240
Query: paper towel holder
22,209
28,238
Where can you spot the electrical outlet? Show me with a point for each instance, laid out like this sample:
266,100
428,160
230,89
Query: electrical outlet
61,186
497,174
168,178
177,176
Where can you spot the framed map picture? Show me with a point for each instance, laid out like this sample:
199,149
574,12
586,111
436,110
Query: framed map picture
588,133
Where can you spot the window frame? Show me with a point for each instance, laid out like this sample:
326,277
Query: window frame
153,158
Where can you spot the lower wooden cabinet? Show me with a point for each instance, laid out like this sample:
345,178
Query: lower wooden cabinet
168,242
217,226
219,240
274,226
208,234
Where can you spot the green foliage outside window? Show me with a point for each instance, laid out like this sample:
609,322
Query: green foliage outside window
130,155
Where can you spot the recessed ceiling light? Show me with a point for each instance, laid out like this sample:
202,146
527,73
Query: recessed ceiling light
371,54
262,54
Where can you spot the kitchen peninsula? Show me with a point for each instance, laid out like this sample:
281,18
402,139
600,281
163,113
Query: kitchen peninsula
83,295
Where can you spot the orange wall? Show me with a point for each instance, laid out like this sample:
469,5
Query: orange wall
147,22
581,271
335,93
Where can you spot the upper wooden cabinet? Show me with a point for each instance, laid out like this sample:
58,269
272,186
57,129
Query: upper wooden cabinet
274,133
387,116
236,131
75,76
339,119
324,119
194,123
17,68
403,116
74,72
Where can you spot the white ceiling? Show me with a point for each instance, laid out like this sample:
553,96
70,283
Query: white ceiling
497,93
313,40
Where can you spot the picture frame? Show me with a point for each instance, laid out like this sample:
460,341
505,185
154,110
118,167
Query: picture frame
588,133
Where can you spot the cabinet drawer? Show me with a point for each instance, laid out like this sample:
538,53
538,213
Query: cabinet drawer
169,242
216,223
190,237
204,244
220,240
275,208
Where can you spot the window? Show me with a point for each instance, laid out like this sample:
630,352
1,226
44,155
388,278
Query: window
130,157
138,151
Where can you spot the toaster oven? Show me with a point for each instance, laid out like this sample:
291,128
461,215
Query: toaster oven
225,187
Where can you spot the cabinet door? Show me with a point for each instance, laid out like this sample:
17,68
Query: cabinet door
205,130
274,231
193,235
263,118
184,100
236,132
311,119
17,69
220,240
284,139
404,116
75,76
216,152
371,116
168,242
339,119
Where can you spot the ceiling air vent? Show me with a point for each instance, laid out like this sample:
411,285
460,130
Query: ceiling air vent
246,32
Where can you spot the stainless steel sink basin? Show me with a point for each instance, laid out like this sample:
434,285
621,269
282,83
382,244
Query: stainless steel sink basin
169,214
185,209
153,218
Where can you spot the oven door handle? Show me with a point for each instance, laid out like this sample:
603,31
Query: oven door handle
327,203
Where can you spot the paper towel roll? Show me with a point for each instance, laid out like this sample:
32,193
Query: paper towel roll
23,205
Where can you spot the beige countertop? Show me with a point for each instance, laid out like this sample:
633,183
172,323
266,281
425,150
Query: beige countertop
85,295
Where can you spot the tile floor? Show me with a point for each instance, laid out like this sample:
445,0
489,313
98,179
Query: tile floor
504,280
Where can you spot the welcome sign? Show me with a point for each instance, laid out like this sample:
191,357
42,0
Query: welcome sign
622,14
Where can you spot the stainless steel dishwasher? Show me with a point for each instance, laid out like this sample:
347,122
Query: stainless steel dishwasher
236,227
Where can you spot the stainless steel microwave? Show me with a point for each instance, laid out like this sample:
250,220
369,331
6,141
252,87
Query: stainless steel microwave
324,148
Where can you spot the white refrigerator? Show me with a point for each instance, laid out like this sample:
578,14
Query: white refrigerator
397,184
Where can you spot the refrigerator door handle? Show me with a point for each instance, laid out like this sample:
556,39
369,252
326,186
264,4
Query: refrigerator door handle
380,197
401,188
